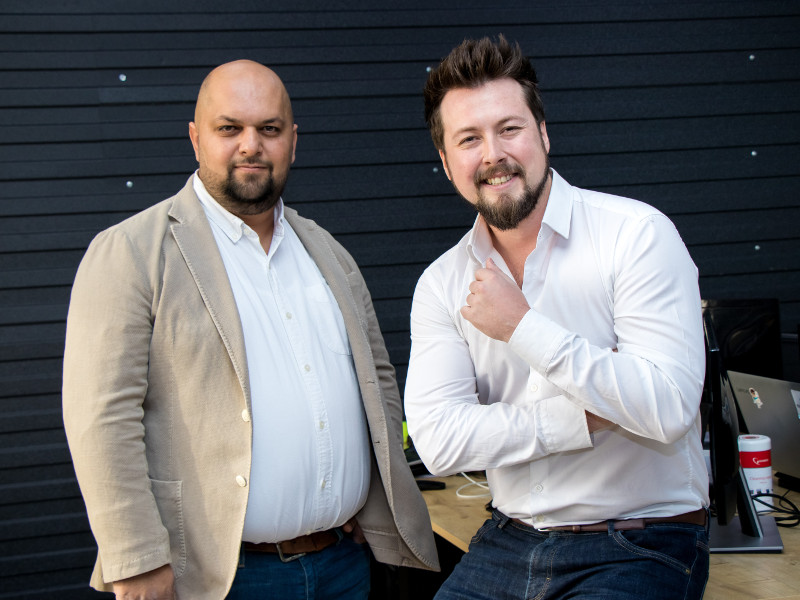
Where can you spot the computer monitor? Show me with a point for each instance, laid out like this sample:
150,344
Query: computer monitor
748,333
728,486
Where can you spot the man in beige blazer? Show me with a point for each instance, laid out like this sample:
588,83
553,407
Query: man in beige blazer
158,393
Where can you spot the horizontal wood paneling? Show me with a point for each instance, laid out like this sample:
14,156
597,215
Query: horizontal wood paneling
693,107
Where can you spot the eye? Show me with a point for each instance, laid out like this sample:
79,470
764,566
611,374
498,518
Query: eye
466,141
227,129
511,129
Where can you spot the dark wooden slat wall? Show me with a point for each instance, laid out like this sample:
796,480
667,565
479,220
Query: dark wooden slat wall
691,106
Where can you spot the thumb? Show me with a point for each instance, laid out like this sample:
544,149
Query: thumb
491,265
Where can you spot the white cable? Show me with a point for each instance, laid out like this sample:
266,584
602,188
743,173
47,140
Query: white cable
481,484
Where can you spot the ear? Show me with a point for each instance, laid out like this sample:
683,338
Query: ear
444,164
194,137
294,141
545,139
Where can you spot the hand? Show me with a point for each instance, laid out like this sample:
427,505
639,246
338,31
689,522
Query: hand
353,529
596,423
495,305
158,584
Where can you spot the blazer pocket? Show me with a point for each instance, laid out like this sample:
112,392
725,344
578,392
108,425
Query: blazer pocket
170,506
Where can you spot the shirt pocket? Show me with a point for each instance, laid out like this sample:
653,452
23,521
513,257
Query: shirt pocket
327,319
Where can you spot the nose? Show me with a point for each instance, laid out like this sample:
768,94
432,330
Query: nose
249,142
493,150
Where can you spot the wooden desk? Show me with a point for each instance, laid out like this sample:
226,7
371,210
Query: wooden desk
731,577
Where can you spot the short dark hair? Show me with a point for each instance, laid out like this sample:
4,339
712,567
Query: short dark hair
474,63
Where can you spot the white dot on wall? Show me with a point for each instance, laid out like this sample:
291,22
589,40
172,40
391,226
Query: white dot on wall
129,184
757,247
754,153
428,69
123,77
435,169
752,57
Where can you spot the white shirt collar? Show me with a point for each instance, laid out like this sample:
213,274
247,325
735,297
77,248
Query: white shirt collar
557,217
230,224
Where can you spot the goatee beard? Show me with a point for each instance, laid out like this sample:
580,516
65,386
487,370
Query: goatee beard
507,212
250,196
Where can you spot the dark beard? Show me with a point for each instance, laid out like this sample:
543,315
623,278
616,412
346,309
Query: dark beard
507,212
247,197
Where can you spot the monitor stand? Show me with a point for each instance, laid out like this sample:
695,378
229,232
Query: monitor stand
746,532
729,538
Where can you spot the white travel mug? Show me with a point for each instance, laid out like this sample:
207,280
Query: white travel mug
755,456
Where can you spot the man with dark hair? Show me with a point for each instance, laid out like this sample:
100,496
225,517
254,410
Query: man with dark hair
559,347
230,406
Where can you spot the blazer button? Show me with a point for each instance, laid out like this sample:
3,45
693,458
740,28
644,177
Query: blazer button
245,416
241,481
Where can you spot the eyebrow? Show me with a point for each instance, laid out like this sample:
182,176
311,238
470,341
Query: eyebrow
472,128
226,118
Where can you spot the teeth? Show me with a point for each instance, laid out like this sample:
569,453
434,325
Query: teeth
498,180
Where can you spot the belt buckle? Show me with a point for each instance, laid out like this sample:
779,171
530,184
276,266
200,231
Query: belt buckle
290,558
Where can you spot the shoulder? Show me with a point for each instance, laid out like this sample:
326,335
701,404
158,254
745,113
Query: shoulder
450,266
601,204
151,224
316,238
614,218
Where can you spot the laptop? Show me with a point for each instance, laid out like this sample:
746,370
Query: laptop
771,407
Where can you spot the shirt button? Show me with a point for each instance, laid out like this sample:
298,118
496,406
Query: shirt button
245,416
288,315
539,488
539,518
241,481
307,368
533,387
321,425
322,484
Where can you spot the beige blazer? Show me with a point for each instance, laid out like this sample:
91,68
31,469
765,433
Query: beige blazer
156,401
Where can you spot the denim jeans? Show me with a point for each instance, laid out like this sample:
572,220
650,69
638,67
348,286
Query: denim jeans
666,561
337,572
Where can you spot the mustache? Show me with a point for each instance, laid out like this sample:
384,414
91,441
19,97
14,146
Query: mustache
250,162
501,171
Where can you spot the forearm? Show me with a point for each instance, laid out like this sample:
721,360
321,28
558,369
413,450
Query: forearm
651,385
452,429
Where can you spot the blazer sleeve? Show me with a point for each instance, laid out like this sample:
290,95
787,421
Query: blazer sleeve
109,328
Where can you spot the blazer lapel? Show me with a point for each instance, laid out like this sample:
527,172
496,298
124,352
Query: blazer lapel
355,321
196,242
320,251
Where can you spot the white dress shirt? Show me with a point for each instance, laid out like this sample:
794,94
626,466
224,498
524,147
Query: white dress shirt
607,273
310,466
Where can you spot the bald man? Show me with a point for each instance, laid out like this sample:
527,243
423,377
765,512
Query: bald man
231,410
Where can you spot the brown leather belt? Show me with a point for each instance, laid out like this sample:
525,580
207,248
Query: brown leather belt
299,546
696,517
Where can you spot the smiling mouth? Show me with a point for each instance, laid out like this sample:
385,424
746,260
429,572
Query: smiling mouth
498,180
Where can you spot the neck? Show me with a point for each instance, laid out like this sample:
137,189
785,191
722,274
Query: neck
515,245
263,224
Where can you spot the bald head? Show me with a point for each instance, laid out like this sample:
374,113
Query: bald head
244,136
243,76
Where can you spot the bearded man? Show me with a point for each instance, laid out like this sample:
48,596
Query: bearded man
558,346
231,410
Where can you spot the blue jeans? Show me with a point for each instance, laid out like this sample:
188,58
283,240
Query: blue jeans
339,571
506,559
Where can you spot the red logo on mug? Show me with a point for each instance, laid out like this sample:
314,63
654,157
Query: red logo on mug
755,460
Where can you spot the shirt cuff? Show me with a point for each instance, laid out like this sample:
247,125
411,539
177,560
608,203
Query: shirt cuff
560,424
536,339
